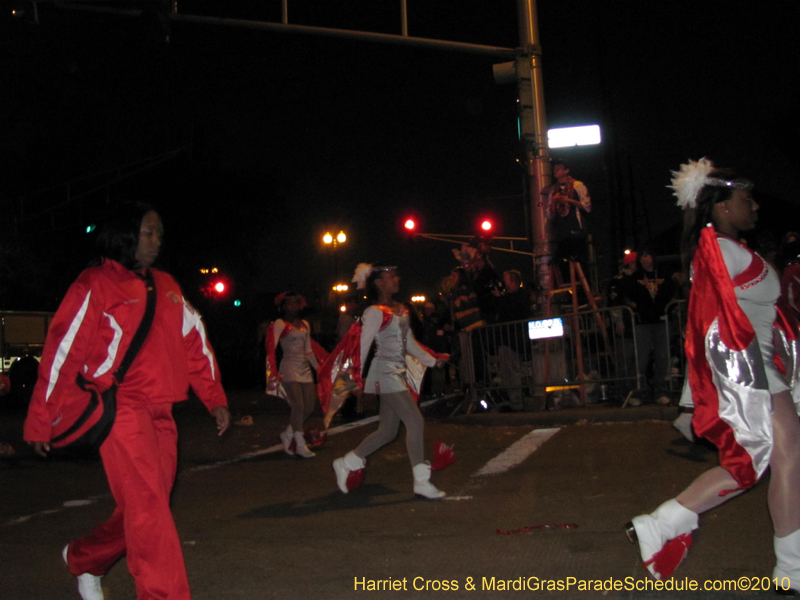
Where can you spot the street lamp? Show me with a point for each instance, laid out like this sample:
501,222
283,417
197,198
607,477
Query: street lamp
329,239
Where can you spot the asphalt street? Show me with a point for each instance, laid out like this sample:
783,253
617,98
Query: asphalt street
536,500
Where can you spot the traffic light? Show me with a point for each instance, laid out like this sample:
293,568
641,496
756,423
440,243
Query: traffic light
216,286
486,226
410,225
521,72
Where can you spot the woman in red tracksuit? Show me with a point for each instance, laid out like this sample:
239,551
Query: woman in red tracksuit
90,333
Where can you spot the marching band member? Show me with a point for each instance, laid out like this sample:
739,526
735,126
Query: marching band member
743,403
293,380
395,374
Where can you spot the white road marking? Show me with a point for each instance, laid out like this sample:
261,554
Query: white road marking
517,452
506,460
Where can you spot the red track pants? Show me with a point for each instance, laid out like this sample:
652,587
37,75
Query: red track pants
140,460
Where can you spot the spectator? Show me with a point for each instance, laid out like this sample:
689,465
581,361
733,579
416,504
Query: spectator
513,305
622,331
565,203
467,316
435,324
647,293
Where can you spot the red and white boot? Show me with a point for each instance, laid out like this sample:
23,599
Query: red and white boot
786,574
349,471
664,537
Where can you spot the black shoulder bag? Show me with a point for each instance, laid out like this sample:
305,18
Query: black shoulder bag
86,419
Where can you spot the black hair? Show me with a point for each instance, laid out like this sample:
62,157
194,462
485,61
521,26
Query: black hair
282,305
378,269
119,235
789,252
463,279
694,219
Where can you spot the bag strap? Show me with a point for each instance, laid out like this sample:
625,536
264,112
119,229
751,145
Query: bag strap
144,328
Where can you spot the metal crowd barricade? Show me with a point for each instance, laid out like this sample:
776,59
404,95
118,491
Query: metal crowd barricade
589,363
675,324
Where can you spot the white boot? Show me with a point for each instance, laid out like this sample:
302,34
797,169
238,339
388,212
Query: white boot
349,473
684,424
422,484
787,567
664,537
88,585
300,446
287,438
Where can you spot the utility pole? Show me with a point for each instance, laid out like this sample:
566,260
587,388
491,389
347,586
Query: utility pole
533,132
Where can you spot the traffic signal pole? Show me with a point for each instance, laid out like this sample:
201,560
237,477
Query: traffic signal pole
533,133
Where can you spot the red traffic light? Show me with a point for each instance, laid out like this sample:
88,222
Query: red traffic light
410,224
486,225
219,287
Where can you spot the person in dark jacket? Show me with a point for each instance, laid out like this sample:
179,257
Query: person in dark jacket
647,292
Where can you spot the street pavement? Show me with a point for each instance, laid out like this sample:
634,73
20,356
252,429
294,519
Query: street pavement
533,497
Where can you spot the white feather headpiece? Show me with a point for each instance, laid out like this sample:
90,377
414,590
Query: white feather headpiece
362,273
688,182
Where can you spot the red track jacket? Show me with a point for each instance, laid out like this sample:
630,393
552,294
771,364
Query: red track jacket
92,330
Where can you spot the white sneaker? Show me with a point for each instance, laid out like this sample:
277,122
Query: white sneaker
635,402
89,586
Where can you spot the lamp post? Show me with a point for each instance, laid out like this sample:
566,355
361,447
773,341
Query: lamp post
329,239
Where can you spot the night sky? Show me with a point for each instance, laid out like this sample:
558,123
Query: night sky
280,137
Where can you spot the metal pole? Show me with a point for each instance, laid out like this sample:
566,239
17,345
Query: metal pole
536,151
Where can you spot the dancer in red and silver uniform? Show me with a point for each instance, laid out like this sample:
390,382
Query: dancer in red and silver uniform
386,322
89,334
743,403
293,380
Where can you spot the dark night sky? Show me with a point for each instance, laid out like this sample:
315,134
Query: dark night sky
293,134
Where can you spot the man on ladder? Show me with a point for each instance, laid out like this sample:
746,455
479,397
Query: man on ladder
565,202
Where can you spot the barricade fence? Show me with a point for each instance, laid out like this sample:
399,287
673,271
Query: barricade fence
675,324
595,360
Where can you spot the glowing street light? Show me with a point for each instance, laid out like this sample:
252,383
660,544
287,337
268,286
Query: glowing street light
340,238
328,240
